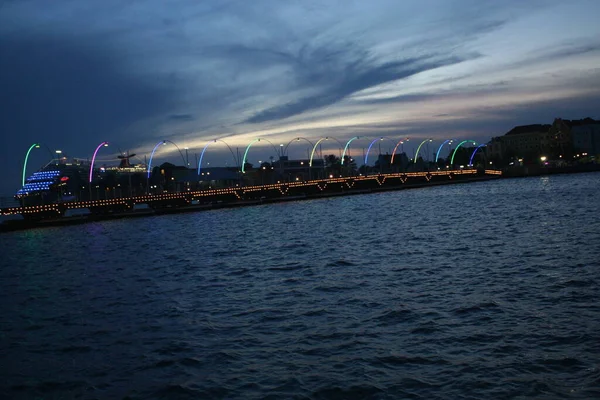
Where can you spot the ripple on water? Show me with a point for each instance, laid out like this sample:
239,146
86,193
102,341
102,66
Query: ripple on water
420,300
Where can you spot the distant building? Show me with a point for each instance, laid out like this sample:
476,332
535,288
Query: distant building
575,136
560,133
495,149
557,140
383,163
527,140
292,170
585,136
180,178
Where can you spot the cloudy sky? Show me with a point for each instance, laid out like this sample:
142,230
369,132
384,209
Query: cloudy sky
74,73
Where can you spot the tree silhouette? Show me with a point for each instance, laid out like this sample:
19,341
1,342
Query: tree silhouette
332,165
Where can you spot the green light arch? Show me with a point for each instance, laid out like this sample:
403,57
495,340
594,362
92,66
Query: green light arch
35,145
419,148
312,153
246,154
346,149
460,144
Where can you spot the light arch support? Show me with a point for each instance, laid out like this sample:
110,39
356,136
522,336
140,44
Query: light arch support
419,148
246,154
460,144
206,146
164,143
248,148
369,149
396,148
312,153
338,142
346,148
94,159
437,155
284,152
473,155
36,146
371,145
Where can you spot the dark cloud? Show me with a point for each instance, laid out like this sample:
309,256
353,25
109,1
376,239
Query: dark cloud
181,117
453,94
568,50
405,98
61,88
356,76
481,124
485,122
136,72
69,94
551,54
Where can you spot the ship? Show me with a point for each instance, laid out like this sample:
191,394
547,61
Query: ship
64,180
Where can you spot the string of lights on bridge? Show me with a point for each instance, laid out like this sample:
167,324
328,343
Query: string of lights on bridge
189,196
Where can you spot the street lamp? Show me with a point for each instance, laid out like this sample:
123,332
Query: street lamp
419,148
401,142
105,144
437,155
33,146
456,148
58,153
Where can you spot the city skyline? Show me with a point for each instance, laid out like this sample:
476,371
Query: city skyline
135,74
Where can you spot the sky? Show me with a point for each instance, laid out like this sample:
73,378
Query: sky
75,73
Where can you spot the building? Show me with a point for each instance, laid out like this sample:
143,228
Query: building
562,139
560,134
176,178
494,149
526,141
575,136
585,136
298,170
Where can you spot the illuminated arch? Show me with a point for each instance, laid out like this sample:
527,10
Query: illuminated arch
396,148
437,155
248,148
475,151
284,152
163,142
346,148
206,146
312,153
371,145
460,144
94,159
369,149
419,148
35,145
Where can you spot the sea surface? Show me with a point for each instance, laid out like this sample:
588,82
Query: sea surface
487,290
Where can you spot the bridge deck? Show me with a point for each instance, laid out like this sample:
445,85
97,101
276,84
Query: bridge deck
240,193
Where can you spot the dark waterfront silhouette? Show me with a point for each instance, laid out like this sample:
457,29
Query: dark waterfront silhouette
486,290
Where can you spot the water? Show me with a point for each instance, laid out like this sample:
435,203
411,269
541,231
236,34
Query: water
476,291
